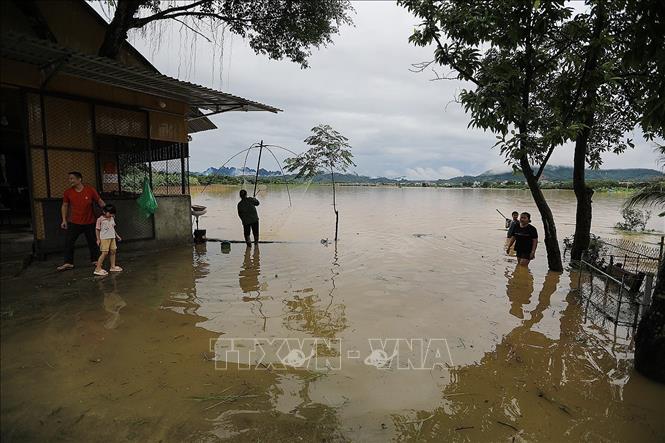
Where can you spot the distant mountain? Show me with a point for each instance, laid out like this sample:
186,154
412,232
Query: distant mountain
233,172
551,174
563,174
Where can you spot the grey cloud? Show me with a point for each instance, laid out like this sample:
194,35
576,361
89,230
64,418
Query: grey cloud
398,122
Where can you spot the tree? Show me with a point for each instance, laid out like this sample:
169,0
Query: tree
276,28
330,151
643,59
509,53
641,43
652,194
650,336
622,87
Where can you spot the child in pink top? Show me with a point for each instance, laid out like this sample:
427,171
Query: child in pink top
106,239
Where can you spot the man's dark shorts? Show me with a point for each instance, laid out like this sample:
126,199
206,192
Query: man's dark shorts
523,254
254,228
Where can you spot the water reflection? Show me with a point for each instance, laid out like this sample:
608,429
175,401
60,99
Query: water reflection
113,302
532,368
248,277
308,312
533,385
519,289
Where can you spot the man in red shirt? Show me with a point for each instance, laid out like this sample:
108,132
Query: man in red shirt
78,202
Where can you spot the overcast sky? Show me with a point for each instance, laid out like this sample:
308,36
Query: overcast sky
399,123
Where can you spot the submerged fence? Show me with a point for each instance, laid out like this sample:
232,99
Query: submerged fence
609,299
616,280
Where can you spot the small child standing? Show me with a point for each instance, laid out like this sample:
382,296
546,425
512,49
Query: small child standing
106,239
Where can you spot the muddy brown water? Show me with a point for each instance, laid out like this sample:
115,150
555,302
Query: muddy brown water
143,355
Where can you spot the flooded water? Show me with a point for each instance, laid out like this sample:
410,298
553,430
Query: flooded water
415,327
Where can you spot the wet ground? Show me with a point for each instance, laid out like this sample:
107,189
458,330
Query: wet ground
190,344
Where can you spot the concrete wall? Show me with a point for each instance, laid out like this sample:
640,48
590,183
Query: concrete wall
173,219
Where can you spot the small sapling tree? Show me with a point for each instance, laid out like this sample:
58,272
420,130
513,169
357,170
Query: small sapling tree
329,152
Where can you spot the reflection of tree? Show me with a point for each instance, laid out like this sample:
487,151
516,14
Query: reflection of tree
306,314
532,386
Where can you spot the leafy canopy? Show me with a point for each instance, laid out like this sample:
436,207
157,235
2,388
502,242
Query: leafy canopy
276,28
330,151
529,80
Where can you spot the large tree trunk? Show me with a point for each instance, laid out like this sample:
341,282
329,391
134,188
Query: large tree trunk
650,336
116,33
590,86
583,195
551,241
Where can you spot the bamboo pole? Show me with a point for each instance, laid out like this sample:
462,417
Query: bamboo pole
258,165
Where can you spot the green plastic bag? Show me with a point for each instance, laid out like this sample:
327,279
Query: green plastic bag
146,201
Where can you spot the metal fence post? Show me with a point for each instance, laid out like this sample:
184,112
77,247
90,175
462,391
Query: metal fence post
648,289
616,318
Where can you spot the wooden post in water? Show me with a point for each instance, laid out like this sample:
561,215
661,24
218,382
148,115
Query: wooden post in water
258,165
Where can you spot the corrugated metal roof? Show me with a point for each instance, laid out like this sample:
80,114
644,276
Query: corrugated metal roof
197,122
42,53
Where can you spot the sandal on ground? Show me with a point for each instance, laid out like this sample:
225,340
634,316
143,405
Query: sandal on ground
116,269
65,267
101,272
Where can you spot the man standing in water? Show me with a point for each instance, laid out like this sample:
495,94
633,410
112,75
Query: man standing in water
78,218
512,224
515,222
248,216
525,237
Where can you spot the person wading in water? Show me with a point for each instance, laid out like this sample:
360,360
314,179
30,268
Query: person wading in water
515,222
525,237
249,216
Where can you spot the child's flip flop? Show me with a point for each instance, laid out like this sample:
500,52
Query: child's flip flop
116,269
65,267
101,272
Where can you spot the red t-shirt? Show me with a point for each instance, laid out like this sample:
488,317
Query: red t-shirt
80,204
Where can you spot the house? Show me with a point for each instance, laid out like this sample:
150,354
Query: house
119,122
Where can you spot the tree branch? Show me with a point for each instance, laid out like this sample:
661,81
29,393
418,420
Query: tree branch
138,23
544,162
421,66
193,30
448,60
554,56
159,15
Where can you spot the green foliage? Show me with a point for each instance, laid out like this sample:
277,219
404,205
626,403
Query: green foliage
276,28
653,194
633,219
642,59
507,51
530,79
329,151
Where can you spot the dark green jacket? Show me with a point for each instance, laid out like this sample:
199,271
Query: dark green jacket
247,210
